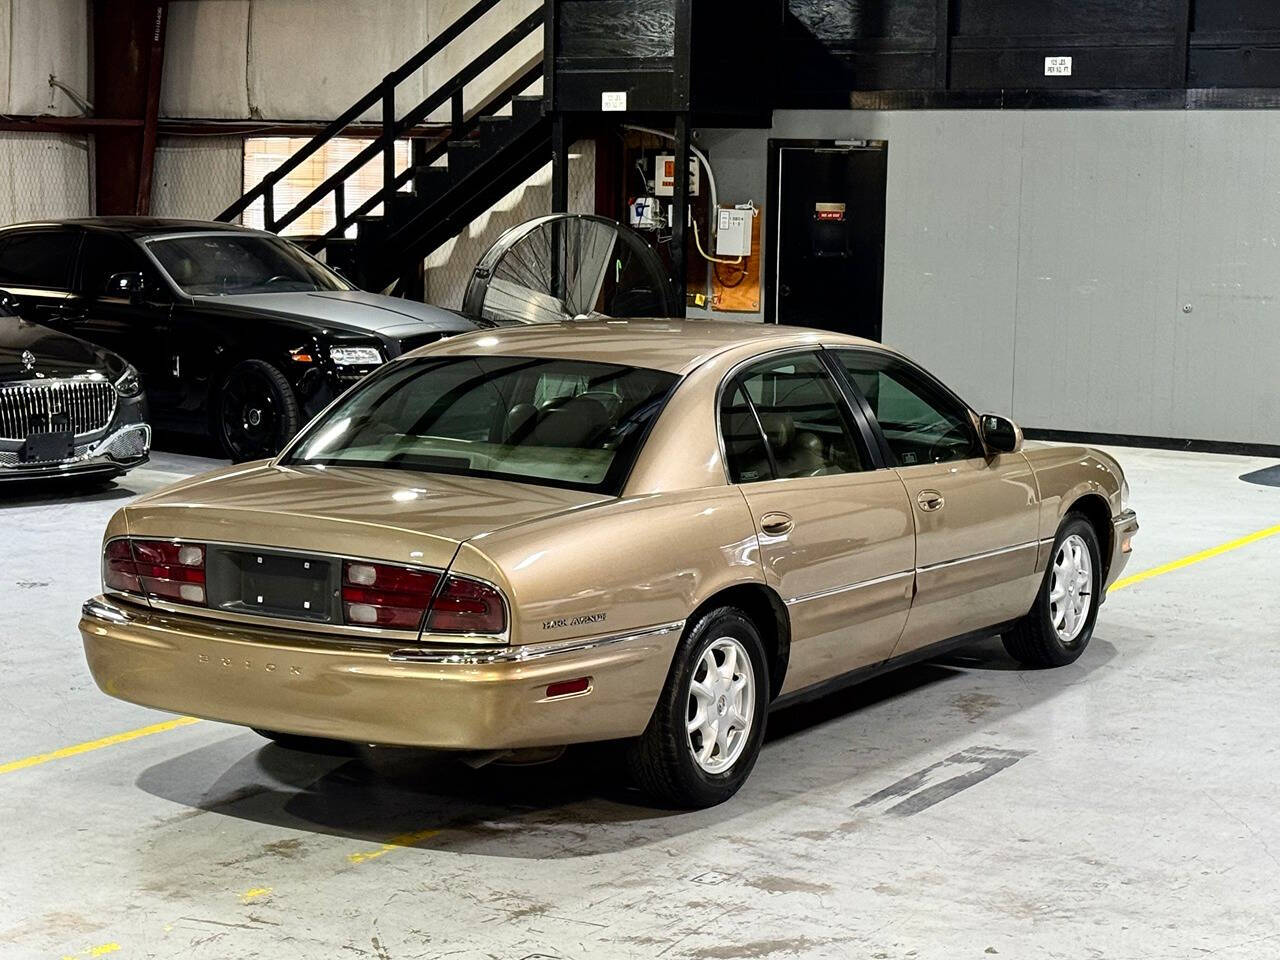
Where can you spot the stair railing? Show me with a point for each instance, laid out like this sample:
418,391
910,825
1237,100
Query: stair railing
394,128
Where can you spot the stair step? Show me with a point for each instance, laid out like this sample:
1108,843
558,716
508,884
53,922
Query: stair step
526,107
430,181
464,156
495,131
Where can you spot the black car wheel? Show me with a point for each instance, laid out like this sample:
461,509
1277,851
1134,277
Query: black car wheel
256,411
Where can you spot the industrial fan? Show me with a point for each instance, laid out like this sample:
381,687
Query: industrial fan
565,267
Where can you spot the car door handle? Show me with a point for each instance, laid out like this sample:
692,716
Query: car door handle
930,500
776,524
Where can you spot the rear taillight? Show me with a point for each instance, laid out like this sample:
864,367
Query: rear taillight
467,606
381,595
165,569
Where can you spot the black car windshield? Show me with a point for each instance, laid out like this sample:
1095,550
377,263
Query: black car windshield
536,420
214,264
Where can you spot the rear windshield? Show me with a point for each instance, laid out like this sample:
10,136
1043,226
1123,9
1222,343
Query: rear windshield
536,420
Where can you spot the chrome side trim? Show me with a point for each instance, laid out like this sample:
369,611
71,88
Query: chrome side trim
1029,545
529,651
852,586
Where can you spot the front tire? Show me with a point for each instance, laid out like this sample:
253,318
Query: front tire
706,731
255,411
1060,624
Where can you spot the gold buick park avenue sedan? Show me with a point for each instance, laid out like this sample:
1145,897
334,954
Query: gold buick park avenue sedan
650,532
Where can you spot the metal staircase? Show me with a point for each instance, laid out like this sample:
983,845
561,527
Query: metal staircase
485,154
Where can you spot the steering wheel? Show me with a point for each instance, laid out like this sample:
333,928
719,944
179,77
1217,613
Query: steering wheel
942,448
278,278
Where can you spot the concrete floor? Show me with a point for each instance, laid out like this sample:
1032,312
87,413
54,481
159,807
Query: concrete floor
1129,810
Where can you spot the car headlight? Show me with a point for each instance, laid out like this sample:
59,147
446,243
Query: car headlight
355,356
129,384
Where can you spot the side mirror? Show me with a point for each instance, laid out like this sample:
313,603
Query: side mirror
1000,433
131,285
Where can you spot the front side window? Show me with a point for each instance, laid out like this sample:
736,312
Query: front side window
921,422
220,264
41,258
793,401
536,420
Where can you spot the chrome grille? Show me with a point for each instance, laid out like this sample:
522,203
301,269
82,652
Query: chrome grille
29,407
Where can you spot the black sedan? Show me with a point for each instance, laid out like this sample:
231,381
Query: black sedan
236,332
67,407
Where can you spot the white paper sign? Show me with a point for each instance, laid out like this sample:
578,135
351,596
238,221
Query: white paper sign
1057,66
613,100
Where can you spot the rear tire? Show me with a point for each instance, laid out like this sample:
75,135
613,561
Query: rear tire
255,411
706,731
1060,624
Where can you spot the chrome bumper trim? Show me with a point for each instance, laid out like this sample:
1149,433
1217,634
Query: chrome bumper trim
529,651
93,459
99,609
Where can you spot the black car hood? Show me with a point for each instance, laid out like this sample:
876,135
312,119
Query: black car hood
353,310
51,354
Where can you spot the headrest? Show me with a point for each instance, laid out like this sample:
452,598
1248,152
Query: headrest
779,428
577,423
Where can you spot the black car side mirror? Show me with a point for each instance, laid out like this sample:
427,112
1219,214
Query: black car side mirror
1000,433
131,285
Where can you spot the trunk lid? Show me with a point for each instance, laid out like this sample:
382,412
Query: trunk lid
397,516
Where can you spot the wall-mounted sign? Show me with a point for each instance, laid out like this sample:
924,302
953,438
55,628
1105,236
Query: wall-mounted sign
1057,66
828,211
613,100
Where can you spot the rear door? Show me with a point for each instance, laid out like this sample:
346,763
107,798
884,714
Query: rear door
35,271
835,534
976,515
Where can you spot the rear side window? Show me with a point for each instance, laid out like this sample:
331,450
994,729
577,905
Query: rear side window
744,446
41,258
797,405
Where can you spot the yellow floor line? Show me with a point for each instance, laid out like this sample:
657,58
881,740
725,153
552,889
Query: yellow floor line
79,748
395,843
1196,557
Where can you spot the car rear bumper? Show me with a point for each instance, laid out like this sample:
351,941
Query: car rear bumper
293,682
118,451
1124,526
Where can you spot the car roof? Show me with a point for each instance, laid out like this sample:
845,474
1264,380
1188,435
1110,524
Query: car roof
676,346
139,226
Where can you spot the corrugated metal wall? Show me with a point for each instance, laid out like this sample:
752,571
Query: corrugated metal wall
1041,261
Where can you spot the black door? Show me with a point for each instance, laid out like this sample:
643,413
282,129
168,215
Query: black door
827,231
137,326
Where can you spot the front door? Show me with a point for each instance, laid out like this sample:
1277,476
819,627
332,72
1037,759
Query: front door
835,534
136,327
828,234
976,515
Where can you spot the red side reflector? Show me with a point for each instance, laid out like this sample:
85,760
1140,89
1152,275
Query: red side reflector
564,688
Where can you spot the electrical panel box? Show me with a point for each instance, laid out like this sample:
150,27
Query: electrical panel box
664,179
733,232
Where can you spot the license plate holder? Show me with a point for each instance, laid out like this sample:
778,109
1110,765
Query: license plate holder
49,447
291,586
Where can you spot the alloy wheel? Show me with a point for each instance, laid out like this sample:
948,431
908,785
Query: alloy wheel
721,709
1071,588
